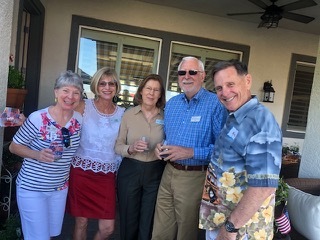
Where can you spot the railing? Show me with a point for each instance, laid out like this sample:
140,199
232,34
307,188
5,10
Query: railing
7,177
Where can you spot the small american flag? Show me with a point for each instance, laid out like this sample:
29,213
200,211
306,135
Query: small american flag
283,222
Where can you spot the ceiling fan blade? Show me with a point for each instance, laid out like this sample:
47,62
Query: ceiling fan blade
239,14
298,5
259,3
297,17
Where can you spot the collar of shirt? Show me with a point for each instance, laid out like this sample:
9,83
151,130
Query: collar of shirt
196,97
137,109
242,112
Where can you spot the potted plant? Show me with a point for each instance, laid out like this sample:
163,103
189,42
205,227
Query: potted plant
290,161
281,198
282,193
16,91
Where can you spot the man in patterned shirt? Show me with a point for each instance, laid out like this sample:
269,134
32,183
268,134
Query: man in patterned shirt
192,121
238,195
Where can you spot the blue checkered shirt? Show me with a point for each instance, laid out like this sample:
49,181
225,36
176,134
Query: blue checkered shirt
195,123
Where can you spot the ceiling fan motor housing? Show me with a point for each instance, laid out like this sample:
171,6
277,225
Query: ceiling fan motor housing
273,13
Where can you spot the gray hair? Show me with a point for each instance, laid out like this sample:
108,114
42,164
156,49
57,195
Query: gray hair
69,78
200,63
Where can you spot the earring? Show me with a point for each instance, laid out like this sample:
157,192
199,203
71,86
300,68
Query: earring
115,99
55,100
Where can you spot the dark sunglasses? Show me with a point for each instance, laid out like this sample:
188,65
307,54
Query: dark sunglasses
110,84
191,72
65,137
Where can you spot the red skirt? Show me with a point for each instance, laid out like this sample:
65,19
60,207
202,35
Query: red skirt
91,195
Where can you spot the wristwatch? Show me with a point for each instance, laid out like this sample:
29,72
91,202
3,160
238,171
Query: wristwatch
230,227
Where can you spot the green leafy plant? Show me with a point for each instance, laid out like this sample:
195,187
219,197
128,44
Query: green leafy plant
293,149
282,192
15,78
11,229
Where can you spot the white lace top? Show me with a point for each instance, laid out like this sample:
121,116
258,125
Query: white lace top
98,135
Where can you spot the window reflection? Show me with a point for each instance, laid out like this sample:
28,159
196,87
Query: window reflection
133,57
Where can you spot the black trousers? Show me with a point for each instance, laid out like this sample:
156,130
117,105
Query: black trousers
138,184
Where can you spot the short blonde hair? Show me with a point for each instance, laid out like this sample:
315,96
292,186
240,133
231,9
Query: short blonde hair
104,72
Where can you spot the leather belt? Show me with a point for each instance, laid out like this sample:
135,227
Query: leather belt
188,167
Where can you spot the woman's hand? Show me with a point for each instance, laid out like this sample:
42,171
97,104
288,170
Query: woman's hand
138,146
45,155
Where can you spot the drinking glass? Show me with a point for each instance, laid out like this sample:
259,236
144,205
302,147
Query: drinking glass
57,149
164,143
145,139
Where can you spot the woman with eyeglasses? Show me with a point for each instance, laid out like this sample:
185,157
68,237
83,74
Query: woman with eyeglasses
140,171
47,140
92,191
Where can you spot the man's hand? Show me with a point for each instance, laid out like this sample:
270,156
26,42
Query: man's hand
224,235
173,153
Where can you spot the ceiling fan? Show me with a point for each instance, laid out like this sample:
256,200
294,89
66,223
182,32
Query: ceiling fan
272,14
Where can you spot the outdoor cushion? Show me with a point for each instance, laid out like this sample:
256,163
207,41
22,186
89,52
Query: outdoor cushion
304,213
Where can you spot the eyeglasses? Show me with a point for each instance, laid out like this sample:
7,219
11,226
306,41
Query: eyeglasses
191,72
65,137
150,89
110,84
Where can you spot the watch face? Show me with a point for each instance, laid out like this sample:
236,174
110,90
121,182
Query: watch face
230,227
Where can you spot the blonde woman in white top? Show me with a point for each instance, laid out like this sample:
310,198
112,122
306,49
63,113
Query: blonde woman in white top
92,192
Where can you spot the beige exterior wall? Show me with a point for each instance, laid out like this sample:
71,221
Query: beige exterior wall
310,163
6,12
270,52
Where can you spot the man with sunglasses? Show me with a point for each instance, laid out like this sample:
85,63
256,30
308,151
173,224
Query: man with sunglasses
192,121
245,165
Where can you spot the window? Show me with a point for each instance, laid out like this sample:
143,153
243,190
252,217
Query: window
132,56
208,55
298,96
135,52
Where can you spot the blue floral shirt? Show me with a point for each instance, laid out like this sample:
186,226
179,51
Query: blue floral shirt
247,153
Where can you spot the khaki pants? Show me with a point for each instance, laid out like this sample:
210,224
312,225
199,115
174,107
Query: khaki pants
178,202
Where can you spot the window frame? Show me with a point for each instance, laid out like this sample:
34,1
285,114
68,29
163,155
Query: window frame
295,59
167,38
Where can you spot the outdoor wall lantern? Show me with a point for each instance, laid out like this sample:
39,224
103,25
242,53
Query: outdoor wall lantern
268,95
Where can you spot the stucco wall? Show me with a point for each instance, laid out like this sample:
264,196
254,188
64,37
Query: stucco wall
6,12
310,163
270,53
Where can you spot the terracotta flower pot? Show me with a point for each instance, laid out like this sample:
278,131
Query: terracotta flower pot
15,97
